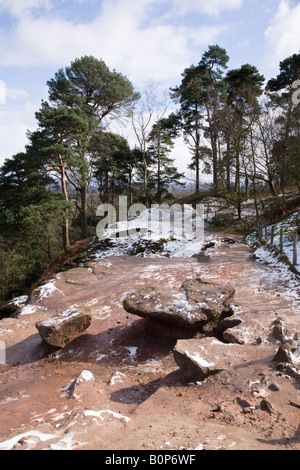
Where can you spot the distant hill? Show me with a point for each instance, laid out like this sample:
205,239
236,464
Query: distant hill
189,187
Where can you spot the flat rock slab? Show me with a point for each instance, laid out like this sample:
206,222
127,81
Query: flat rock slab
62,328
198,302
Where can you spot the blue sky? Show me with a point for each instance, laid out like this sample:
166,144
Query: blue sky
143,39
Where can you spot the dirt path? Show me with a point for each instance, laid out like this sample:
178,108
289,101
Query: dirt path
133,396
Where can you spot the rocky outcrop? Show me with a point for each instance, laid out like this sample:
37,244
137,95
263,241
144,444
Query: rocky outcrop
198,302
62,328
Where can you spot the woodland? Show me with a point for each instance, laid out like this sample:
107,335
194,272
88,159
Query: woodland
238,127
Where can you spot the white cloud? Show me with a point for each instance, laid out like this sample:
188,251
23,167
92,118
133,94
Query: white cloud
283,34
16,93
18,8
136,37
14,123
211,7
118,35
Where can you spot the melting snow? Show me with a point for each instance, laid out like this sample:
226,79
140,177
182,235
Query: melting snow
132,351
178,242
8,445
19,301
199,360
117,378
84,376
30,309
98,414
48,290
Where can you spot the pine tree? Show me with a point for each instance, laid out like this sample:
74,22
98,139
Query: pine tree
89,86
286,146
160,145
200,97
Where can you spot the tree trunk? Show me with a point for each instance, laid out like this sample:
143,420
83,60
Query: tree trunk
65,235
228,169
65,228
84,209
247,193
215,164
130,188
158,177
197,174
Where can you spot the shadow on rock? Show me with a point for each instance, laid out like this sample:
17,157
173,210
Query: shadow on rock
138,394
30,350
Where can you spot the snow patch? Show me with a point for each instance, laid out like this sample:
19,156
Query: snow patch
30,310
47,290
99,414
199,360
9,444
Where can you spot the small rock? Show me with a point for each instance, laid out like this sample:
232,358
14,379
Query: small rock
267,406
278,330
84,376
289,352
274,387
234,336
197,359
229,241
244,403
62,328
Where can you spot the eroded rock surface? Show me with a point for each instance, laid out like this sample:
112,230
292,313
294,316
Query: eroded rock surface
118,386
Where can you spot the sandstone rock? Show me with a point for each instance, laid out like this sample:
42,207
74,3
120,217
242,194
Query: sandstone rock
82,378
274,387
267,406
199,359
279,333
198,302
234,336
62,328
289,352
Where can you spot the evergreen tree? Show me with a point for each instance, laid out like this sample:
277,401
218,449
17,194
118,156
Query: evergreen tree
29,212
113,164
160,145
286,145
54,144
244,86
200,97
88,85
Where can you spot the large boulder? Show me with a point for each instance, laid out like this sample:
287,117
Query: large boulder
62,328
198,302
